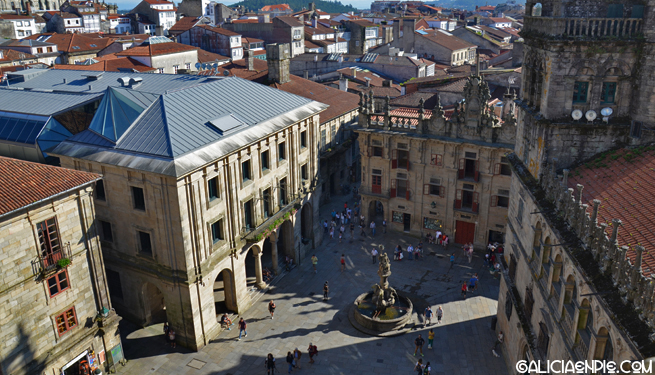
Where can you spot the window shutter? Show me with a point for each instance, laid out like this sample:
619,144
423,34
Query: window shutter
407,191
393,189
497,168
494,200
442,191
475,202
439,160
426,189
458,199
394,159
477,172
462,163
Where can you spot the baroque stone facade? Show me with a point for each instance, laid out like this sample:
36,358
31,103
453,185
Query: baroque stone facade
50,309
425,170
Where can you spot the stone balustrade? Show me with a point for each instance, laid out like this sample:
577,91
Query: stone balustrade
624,28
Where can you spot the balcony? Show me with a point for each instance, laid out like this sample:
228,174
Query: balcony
375,191
596,28
581,348
51,261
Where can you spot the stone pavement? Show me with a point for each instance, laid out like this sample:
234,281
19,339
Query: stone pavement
462,342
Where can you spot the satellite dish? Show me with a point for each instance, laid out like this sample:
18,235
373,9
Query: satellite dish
606,111
214,65
198,65
576,114
226,73
204,66
590,115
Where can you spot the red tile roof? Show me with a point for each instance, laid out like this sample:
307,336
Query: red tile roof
67,42
487,7
9,55
219,30
624,182
108,64
157,2
245,21
184,24
157,49
23,183
450,42
14,17
500,20
206,56
237,68
276,7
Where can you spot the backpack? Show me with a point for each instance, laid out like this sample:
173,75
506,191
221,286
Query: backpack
426,370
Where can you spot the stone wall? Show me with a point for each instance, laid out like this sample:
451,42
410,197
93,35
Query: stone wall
31,343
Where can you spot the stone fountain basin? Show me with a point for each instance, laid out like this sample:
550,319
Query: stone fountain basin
377,327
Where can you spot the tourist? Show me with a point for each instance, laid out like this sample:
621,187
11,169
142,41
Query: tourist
430,338
314,262
439,314
312,350
290,361
499,340
419,345
242,328
473,283
437,236
444,241
361,227
325,227
332,233
296,357
226,322
271,308
464,289
427,369
469,253
343,262
338,218
166,329
372,228
418,368
340,235
384,226
486,259
352,230
269,363
326,291
452,260
410,252
427,316
429,238
267,275
374,254
171,337
333,224
417,250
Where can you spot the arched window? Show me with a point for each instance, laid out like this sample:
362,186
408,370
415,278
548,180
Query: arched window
529,303
536,10
545,256
604,350
556,285
536,241
583,332
609,86
512,267
570,293
509,306
542,340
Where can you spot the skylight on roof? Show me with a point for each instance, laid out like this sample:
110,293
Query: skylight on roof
76,47
226,123
93,45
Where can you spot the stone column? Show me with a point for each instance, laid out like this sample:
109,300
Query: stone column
274,255
259,281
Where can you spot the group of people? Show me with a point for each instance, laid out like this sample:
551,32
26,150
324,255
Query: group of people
292,359
472,285
491,258
439,238
413,253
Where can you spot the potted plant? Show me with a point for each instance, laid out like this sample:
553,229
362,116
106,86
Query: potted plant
63,263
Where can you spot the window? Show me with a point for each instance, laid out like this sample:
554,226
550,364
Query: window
519,214
580,90
217,231
283,191
304,172
188,66
436,160
503,168
303,138
608,93
528,303
21,33
100,190
248,216
66,321
175,68
500,200
266,200
434,188
58,283
401,188
49,49
509,306
264,160
376,183
281,151
245,170
105,231
145,246
400,159
49,241
635,129
468,168
138,199
114,284
323,138
212,188
376,151
39,50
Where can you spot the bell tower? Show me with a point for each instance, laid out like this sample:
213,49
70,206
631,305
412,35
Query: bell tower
586,86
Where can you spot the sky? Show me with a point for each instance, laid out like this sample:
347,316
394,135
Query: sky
129,4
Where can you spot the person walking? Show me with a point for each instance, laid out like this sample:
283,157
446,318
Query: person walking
171,337
290,361
374,254
343,262
332,232
296,357
499,340
326,291
473,283
269,364
242,328
352,230
384,226
410,252
340,235
271,308
372,228
312,350
418,367
430,338
439,314
464,289
419,342
361,227
166,329
427,316
427,369
338,218
325,227
314,262
452,260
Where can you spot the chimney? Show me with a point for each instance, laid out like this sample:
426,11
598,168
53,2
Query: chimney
368,83
250,60
277,57
354,73
343,83
312,6
314,20
305,74
28,8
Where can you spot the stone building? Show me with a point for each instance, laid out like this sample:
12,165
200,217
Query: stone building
56,309
573,287
201,186
426,171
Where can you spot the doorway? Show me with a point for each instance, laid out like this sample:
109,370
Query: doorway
464,232
333,184
154,304
375,211
224,294
407,222
251,266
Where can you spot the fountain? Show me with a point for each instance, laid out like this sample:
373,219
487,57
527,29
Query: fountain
382,312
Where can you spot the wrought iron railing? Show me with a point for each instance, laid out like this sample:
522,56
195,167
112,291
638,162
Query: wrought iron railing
49,261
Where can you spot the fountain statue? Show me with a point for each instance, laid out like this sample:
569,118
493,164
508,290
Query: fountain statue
382,312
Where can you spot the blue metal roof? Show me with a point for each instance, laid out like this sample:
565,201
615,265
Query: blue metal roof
20,129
